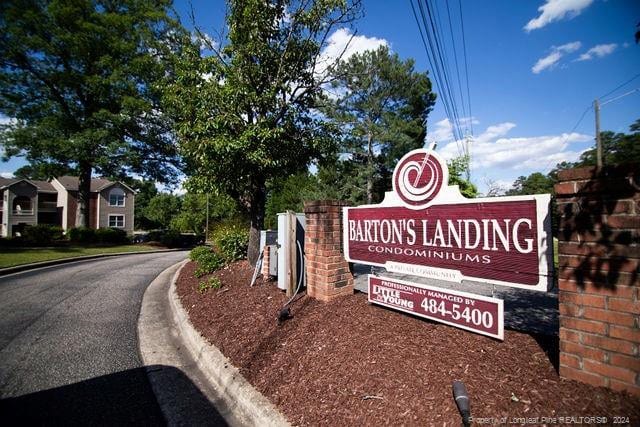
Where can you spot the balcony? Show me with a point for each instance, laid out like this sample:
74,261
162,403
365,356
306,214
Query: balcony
47,207
22,212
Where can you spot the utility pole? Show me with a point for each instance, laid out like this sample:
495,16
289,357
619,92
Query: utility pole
467,149
596,107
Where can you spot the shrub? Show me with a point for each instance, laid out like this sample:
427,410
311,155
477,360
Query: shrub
42,234
199,252
231,240
111,235
82,235
208,263
172,239
210,283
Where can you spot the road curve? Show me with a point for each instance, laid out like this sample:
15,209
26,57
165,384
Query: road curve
69,345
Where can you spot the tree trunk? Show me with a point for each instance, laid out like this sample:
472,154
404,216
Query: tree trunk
84,195
370,169
256,216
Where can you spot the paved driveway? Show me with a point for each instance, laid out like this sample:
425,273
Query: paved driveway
69,346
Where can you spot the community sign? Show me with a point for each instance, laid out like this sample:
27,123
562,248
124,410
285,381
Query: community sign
424,227
476,313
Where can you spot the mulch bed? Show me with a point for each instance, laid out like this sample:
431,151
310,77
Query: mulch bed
351,363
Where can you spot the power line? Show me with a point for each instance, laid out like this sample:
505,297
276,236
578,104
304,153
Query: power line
428,20
435,67
571,131
623,84
466,68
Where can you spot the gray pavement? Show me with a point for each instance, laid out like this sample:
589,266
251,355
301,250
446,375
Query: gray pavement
69,346
526,311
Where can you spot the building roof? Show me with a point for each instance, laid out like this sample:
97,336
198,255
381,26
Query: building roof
71,183
43,186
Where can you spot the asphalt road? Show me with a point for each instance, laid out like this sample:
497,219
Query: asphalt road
69,345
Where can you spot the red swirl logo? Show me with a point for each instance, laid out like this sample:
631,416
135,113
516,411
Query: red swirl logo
418,177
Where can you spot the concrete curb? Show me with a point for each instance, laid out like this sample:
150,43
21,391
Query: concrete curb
168,339
35,265
226,378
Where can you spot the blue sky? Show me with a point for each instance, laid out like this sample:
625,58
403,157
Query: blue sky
522,113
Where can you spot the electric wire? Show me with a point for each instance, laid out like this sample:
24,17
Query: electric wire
439,49
429,19
435,68
623,84
455,57
466,67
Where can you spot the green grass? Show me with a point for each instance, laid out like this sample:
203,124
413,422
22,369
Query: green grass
10,257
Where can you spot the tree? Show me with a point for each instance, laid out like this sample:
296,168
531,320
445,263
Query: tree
192,217
457,167
616,148
43,171
382,110
163,208
81,79
536,183
244,114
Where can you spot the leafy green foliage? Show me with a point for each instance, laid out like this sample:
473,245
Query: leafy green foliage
245,114
289,194
210,283
192,217
536,183
382,110
231,239
43,171
145,191
111,236
162,208
42,234
208,263
82,80
199,252
82,235
616,148
457,168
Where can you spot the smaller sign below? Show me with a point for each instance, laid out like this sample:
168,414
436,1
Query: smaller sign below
475,313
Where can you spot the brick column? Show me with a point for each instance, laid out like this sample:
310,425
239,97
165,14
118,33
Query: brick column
599,251
266,260
328,275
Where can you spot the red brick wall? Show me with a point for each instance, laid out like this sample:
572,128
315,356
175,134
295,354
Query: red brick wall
72,204
328,274
599,258
93,210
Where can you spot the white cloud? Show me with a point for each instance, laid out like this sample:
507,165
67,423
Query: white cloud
557,52
6,174
4,120
598,51
443,131
556,10
205,41
343,40
492,150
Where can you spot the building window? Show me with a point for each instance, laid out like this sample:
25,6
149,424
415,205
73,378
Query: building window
116,221
116,197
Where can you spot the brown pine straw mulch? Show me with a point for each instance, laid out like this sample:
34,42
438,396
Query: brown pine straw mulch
351,363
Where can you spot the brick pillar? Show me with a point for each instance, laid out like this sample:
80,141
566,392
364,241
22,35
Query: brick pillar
599,251
328,275
266,260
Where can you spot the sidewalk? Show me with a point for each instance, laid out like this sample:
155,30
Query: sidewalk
168,342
